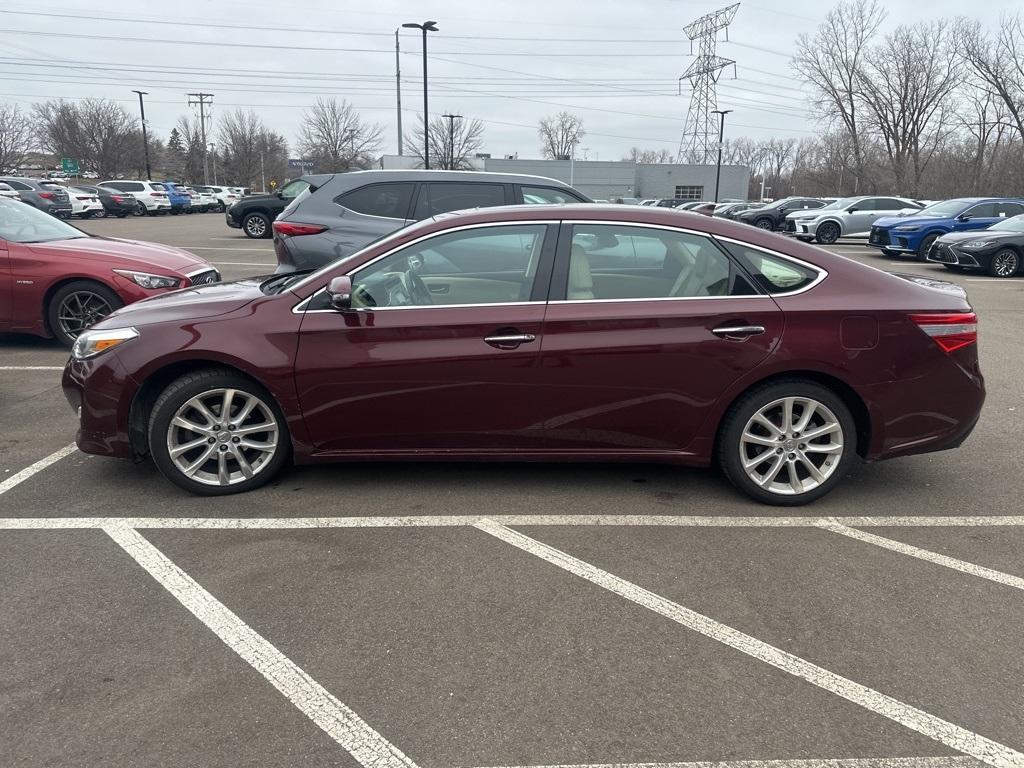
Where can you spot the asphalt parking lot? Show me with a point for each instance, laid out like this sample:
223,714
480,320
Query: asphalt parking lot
508,615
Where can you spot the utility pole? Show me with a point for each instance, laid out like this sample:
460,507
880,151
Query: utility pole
203,100
263,175
398,91
427,26
721,136
451,139
213,152
145,138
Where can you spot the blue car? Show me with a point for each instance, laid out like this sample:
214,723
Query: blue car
915,234
181,201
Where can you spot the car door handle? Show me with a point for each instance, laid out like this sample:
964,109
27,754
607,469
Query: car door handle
509,340
738,331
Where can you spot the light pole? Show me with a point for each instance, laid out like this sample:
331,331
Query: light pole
213,153
721,136
398,91
145,138
451,139
426,26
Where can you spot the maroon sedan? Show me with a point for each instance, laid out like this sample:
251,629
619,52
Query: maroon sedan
561,333
56,280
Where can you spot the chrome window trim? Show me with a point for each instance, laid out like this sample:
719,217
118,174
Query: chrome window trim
320,272
300,309
822,272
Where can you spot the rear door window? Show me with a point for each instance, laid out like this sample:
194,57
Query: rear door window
1006,210
443,197
389,200
18,185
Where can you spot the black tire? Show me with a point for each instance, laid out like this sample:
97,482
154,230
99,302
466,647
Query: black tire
765,223
256,226
827,233
891,254
140,209
184,389
730,432
926,245
62,305
1004,263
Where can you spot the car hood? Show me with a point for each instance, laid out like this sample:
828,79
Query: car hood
752,212
128,254
186,304
894,221
981,234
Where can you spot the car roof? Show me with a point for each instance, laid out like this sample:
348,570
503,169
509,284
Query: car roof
396,174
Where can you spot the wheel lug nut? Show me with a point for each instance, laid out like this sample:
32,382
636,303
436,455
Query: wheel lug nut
212,440
802,446
236,439
796,434
778,450
231,427
792,456
223,447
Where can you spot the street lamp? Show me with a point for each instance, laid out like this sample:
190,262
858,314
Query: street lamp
145,139
451,139
426,26
721,136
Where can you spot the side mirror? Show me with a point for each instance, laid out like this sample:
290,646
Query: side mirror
851,210
339,291
963,217
279,195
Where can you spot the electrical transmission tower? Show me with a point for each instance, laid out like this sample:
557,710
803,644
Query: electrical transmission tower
700,132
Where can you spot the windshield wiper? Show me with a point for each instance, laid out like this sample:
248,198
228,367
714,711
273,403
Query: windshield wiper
280,283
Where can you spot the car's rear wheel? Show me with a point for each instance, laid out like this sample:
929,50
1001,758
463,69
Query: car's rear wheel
788,442
217,432
926,245
77,306
256,225
827,233
140,209
764,223
1004,263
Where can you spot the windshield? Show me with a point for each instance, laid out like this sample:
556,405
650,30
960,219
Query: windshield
20,223
1013,224
945,208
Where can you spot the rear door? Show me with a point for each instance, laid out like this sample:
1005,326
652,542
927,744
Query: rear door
858,223
437,197
638,346
980,216
411,369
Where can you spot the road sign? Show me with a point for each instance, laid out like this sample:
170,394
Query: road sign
69,166
306,165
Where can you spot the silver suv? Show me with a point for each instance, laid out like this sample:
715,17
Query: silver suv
340,213
43,194
847,217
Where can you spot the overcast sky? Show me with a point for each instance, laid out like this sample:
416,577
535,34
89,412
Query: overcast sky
490,60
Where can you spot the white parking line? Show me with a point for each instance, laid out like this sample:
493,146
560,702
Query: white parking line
342,724
850,762
924,554
39,466
442,521
954,736
31,367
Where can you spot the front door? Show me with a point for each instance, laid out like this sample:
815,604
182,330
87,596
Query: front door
440,350
655,323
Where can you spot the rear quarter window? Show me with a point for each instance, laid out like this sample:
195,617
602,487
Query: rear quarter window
389,200
772,273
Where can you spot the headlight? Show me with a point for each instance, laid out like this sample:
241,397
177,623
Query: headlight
978,244
907,228
91,343
147,280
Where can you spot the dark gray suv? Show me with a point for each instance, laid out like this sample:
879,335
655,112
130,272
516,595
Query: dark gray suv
47,196
342,212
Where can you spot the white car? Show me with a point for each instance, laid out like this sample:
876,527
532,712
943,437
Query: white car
151,197
846,217
224,196
6,190
85,204
204,198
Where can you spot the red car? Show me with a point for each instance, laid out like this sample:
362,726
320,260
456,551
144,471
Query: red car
541,333
56,280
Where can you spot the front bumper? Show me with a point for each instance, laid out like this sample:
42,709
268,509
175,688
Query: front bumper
802,230
945,253
101,393
230,221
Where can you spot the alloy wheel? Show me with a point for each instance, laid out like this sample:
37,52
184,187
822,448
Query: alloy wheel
256,226
80,310
791,446
1005,263
222,437
764,224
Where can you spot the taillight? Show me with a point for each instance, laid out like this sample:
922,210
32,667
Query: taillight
46,195
950,332
293,229
117,198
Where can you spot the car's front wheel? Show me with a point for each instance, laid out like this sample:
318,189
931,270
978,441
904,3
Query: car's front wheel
216,432
788,442
926,245
256,226
78,305
764,223
827,233
1004,263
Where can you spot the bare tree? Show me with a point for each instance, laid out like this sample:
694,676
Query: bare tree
906,84
831,62
99,133
336,138
248,151
16,137
649,156
559,135
998,60
452,146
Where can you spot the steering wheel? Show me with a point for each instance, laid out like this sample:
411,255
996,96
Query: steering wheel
416,289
